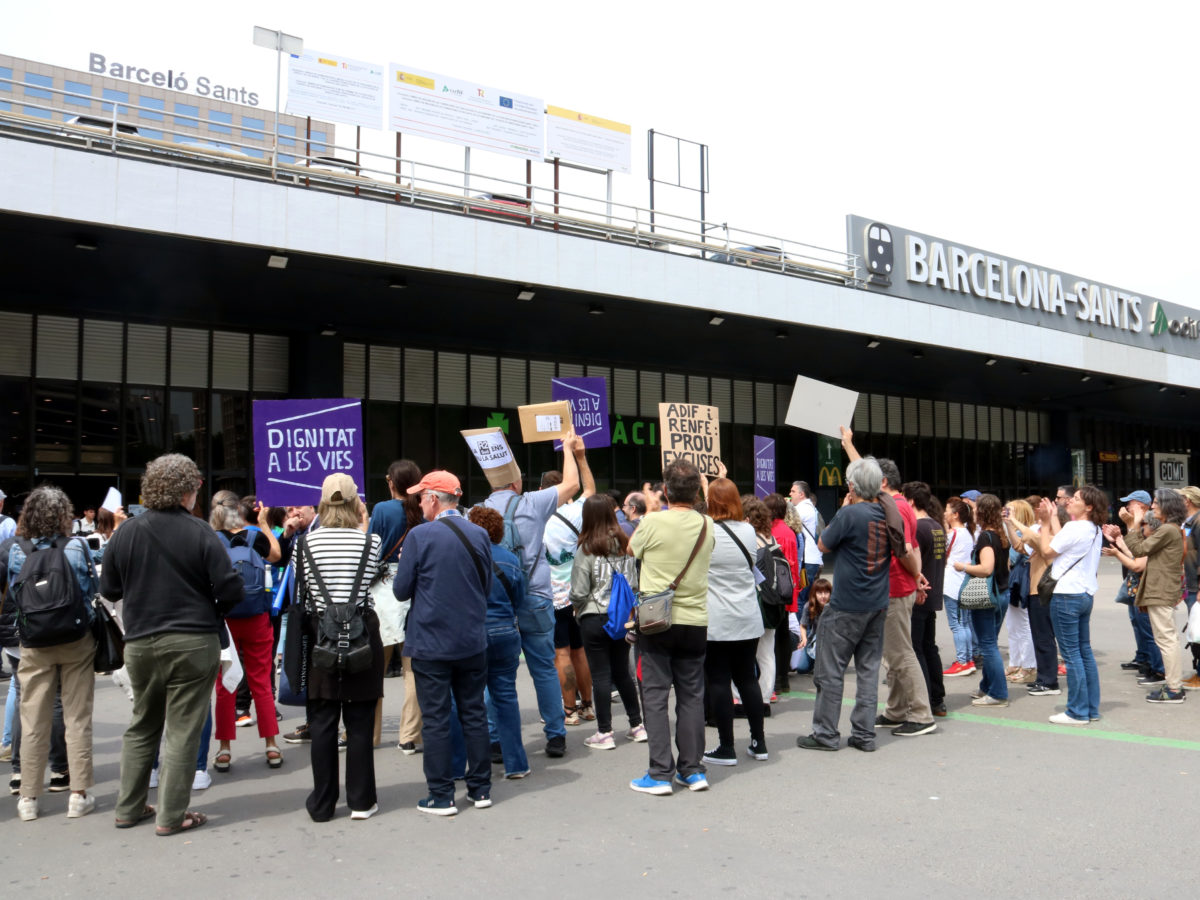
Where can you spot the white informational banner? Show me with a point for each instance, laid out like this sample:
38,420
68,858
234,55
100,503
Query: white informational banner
588,140
1170,470
335,89
820,407
464,113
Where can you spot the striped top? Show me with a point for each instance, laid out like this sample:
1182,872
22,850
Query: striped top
336,553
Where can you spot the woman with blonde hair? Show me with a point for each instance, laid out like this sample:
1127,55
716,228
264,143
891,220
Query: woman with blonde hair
1022,665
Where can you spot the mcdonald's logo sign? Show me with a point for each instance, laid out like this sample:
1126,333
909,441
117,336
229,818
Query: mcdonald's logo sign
829,476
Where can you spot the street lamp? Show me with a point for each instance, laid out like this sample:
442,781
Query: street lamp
281,43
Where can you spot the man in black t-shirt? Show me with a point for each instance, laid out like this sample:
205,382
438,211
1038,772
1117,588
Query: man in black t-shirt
931,538
852,624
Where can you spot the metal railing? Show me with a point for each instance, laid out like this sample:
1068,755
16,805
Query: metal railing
382,177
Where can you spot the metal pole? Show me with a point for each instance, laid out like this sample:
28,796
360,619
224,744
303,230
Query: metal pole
357,149
529,189
466,171
397,165
278,77
650,171
556,193
608,196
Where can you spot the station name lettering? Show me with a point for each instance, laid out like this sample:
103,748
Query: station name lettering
203,86
992,278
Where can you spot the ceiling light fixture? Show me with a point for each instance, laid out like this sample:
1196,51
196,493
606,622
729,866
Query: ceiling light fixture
872,344
918,354
716,320
397,284
275,261
1161,388
991,361
84,245
525,295
781,334
1024,371
596,309
328,331
1085,378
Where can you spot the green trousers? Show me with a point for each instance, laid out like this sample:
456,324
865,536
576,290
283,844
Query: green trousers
172,676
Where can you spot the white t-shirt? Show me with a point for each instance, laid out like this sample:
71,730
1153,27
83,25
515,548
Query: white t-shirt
958,549
808,515
559,544
1078,538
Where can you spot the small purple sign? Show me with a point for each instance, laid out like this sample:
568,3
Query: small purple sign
764,466
298,442
589,403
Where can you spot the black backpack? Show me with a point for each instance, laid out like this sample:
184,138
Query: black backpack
343,643
51,608
775,592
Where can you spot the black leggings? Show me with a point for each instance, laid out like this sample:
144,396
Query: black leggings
609,662
727,661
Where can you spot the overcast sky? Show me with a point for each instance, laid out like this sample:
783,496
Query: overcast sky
1051,132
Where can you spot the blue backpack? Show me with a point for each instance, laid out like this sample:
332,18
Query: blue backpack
620,607
253,570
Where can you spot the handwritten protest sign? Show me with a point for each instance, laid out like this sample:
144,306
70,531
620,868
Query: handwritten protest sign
690,432
589,408
493,454
764,466
298,442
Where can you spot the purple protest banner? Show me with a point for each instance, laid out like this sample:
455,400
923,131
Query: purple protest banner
764,466
298,442
589,403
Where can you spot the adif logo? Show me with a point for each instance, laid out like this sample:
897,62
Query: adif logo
1186,327
880,253
506,102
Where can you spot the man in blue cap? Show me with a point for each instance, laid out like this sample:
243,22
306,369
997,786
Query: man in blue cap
1147,660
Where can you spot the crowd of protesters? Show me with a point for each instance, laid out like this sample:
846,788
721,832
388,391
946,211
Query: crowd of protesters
315,605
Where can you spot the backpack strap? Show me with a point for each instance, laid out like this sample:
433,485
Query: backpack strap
474,558
310,565
566,522
696,549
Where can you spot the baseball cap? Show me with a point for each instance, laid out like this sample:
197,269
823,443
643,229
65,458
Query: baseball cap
1139,496
338,488
438,480
971,495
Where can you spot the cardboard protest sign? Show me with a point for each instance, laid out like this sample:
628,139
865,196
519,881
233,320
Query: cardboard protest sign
691,432
589,408
545,421
820,407
493,454
298,442
764,466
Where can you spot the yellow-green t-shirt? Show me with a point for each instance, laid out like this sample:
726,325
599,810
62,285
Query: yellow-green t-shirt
663,541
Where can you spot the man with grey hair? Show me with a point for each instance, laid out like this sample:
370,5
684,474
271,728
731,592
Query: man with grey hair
852,624
908,712
177,582
8,527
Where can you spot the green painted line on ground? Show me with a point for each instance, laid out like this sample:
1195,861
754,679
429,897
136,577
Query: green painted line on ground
1090,731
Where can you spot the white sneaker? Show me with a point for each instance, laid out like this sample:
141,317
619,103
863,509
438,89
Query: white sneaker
80,805
364,813
154,777
601,740
637,734
1063,719
27,809
201,781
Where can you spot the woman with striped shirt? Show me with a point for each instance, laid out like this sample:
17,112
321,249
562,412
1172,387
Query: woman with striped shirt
335,552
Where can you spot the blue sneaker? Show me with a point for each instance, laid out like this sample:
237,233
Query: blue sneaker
437,807
648,785
694,782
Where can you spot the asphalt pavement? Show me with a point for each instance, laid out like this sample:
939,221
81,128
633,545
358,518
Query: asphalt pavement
995,803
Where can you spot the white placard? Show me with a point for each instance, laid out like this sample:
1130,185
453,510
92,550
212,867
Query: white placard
112,500
331,87
589,140
464,113
549,423
820,407
1170,470
491,450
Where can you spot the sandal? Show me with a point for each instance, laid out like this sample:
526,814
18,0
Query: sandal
274,757
571,717
223,761
586,713
147,813
191,821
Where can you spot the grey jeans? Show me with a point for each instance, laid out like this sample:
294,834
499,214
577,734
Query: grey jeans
845,636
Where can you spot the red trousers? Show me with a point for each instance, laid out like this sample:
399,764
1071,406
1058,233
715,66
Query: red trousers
255,644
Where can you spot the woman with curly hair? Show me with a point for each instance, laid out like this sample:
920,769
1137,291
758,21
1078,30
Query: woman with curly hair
990,558
176,581
45,523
